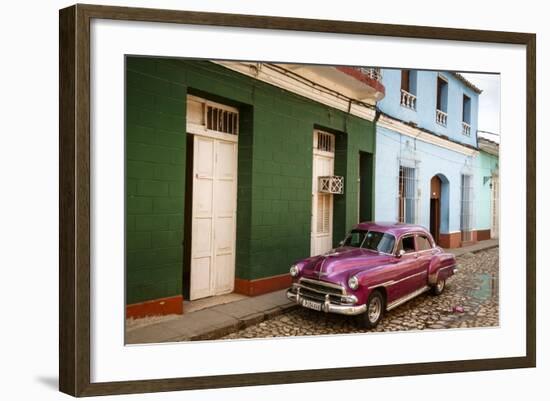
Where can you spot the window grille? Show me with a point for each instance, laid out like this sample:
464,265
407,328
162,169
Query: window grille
466,215
221,120
408,195
332,184
323,213
324,141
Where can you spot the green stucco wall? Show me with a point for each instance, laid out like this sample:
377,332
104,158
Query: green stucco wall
274,173
486,164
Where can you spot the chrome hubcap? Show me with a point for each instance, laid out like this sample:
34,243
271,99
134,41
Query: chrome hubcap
375,308
440,285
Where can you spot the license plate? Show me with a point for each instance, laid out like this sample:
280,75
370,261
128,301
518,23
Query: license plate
311,305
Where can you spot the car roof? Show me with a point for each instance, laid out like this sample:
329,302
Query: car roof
396,229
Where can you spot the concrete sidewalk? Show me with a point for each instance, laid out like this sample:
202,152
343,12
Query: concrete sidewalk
220,320
214,322
477,247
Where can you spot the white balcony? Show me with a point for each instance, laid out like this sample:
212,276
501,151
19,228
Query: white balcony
441,117
408,100
466,129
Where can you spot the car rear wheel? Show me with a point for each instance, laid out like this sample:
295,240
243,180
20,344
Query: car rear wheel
374,312
439,287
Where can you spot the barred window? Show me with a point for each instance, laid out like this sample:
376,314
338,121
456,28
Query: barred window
466,215
324,141
408,197
221,120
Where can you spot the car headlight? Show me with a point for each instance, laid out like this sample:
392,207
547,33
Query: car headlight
294,270
353,282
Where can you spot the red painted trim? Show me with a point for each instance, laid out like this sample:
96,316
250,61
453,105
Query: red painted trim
471,242
262,285
454,240
451,240
483,235
155,307
357,74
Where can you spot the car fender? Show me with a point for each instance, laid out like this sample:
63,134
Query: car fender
441,267
371,280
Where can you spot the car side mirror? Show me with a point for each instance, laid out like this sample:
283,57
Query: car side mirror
400,253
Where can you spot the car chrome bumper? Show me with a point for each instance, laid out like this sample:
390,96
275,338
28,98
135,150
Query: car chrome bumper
329,307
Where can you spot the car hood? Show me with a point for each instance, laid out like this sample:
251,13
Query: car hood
337,264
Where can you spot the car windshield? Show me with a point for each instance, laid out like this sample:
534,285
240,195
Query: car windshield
373,240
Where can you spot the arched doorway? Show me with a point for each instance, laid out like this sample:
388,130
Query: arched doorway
439,206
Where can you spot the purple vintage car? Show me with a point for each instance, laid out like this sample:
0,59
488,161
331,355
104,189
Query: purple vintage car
376,268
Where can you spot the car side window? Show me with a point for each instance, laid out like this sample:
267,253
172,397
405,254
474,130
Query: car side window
407,244
423,243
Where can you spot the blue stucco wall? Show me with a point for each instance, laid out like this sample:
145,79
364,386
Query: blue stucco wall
431,160
426,100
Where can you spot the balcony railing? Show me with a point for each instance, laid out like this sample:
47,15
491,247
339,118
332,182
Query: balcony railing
466,128
441,117
408,99
372,72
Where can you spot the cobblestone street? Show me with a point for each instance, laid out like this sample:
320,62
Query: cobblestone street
470,300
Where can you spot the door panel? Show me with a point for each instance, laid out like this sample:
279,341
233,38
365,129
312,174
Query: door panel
200,277
410,274
322,205
225,273
202,220
402,272
435,218
203,202
225,213
202,237
226,161
214,217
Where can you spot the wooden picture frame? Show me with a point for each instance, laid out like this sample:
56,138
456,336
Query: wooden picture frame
74,205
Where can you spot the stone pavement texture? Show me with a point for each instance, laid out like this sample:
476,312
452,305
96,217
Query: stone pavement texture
259,316
469,300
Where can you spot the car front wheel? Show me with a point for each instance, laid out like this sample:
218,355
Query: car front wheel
374,312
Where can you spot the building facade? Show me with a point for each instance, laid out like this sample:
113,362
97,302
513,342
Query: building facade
235,170
488,188
428,168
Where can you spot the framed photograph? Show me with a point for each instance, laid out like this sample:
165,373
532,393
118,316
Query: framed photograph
250,200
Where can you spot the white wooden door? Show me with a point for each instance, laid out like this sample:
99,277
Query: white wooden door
322,203
214,216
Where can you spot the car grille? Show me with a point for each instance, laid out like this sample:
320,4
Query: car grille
318,290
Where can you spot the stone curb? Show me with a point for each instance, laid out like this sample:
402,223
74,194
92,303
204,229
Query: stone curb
474,249
243,323
492,246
